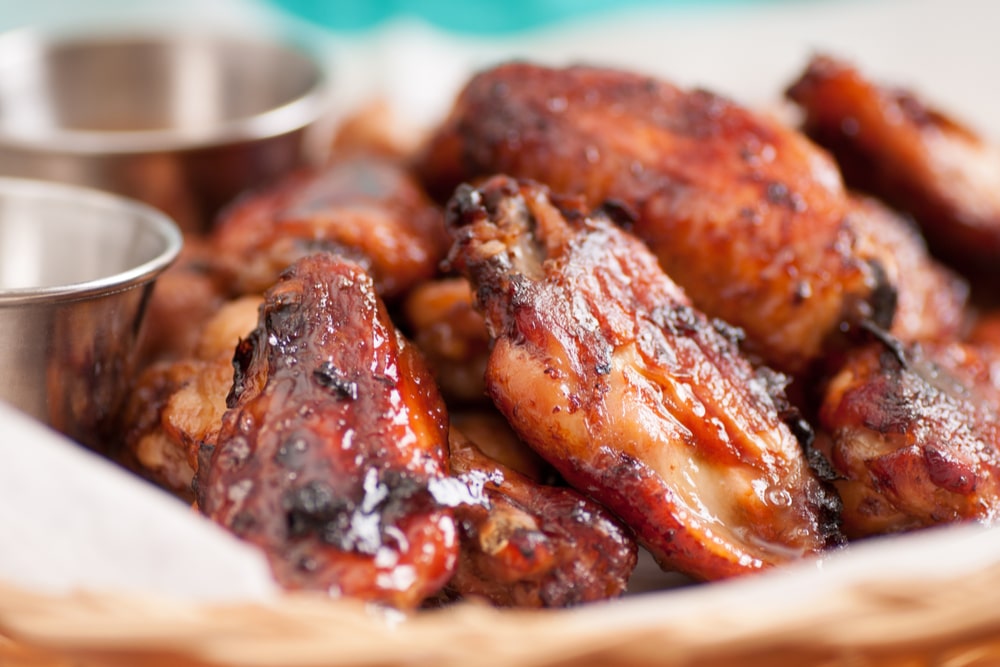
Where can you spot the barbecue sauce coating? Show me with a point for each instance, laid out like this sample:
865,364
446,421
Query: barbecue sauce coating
746,215
602,365
334,436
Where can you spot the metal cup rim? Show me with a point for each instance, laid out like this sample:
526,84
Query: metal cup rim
293,115
157,222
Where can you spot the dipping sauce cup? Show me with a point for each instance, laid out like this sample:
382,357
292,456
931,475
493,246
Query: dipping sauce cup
77,268
182,121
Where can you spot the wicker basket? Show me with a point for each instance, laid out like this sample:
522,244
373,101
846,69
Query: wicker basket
927,599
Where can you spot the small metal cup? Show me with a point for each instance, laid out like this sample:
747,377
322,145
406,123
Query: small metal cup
182,121
76,270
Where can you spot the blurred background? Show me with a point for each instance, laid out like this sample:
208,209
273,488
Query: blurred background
417,53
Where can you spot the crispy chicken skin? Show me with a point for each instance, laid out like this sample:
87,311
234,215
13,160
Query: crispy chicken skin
891,144
532,545
601,364
365,207
334,438
913,431
746,215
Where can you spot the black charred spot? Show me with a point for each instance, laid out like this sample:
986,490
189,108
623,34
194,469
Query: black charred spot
242,359
821,466
884,297
314,508
332,379
619,212
893,346
465,207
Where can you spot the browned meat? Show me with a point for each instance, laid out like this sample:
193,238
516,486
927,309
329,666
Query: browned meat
531,545
452,336
745,214
601,364
333,441
930,298
364,207
175,407
890,143
914,432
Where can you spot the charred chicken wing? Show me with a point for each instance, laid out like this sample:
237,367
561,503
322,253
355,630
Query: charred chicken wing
889,143
603,366
913,431
746,215
531,545
334,439
365,207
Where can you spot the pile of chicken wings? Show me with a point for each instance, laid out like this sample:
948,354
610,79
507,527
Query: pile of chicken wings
591,312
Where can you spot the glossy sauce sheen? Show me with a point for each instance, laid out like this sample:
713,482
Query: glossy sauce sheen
334,435
601,364
746,215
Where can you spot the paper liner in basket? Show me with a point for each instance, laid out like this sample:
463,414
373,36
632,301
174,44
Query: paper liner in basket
927,599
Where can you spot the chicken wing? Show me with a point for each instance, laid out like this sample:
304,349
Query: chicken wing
601,364
745,214
532,545
452,336
334,438
890,143
365,207
914,431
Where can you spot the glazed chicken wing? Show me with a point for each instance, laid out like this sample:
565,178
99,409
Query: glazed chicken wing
745,214
914,431
892,145
601,364
365,207
334,440
532,545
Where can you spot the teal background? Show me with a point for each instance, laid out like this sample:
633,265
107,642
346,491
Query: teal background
482,17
